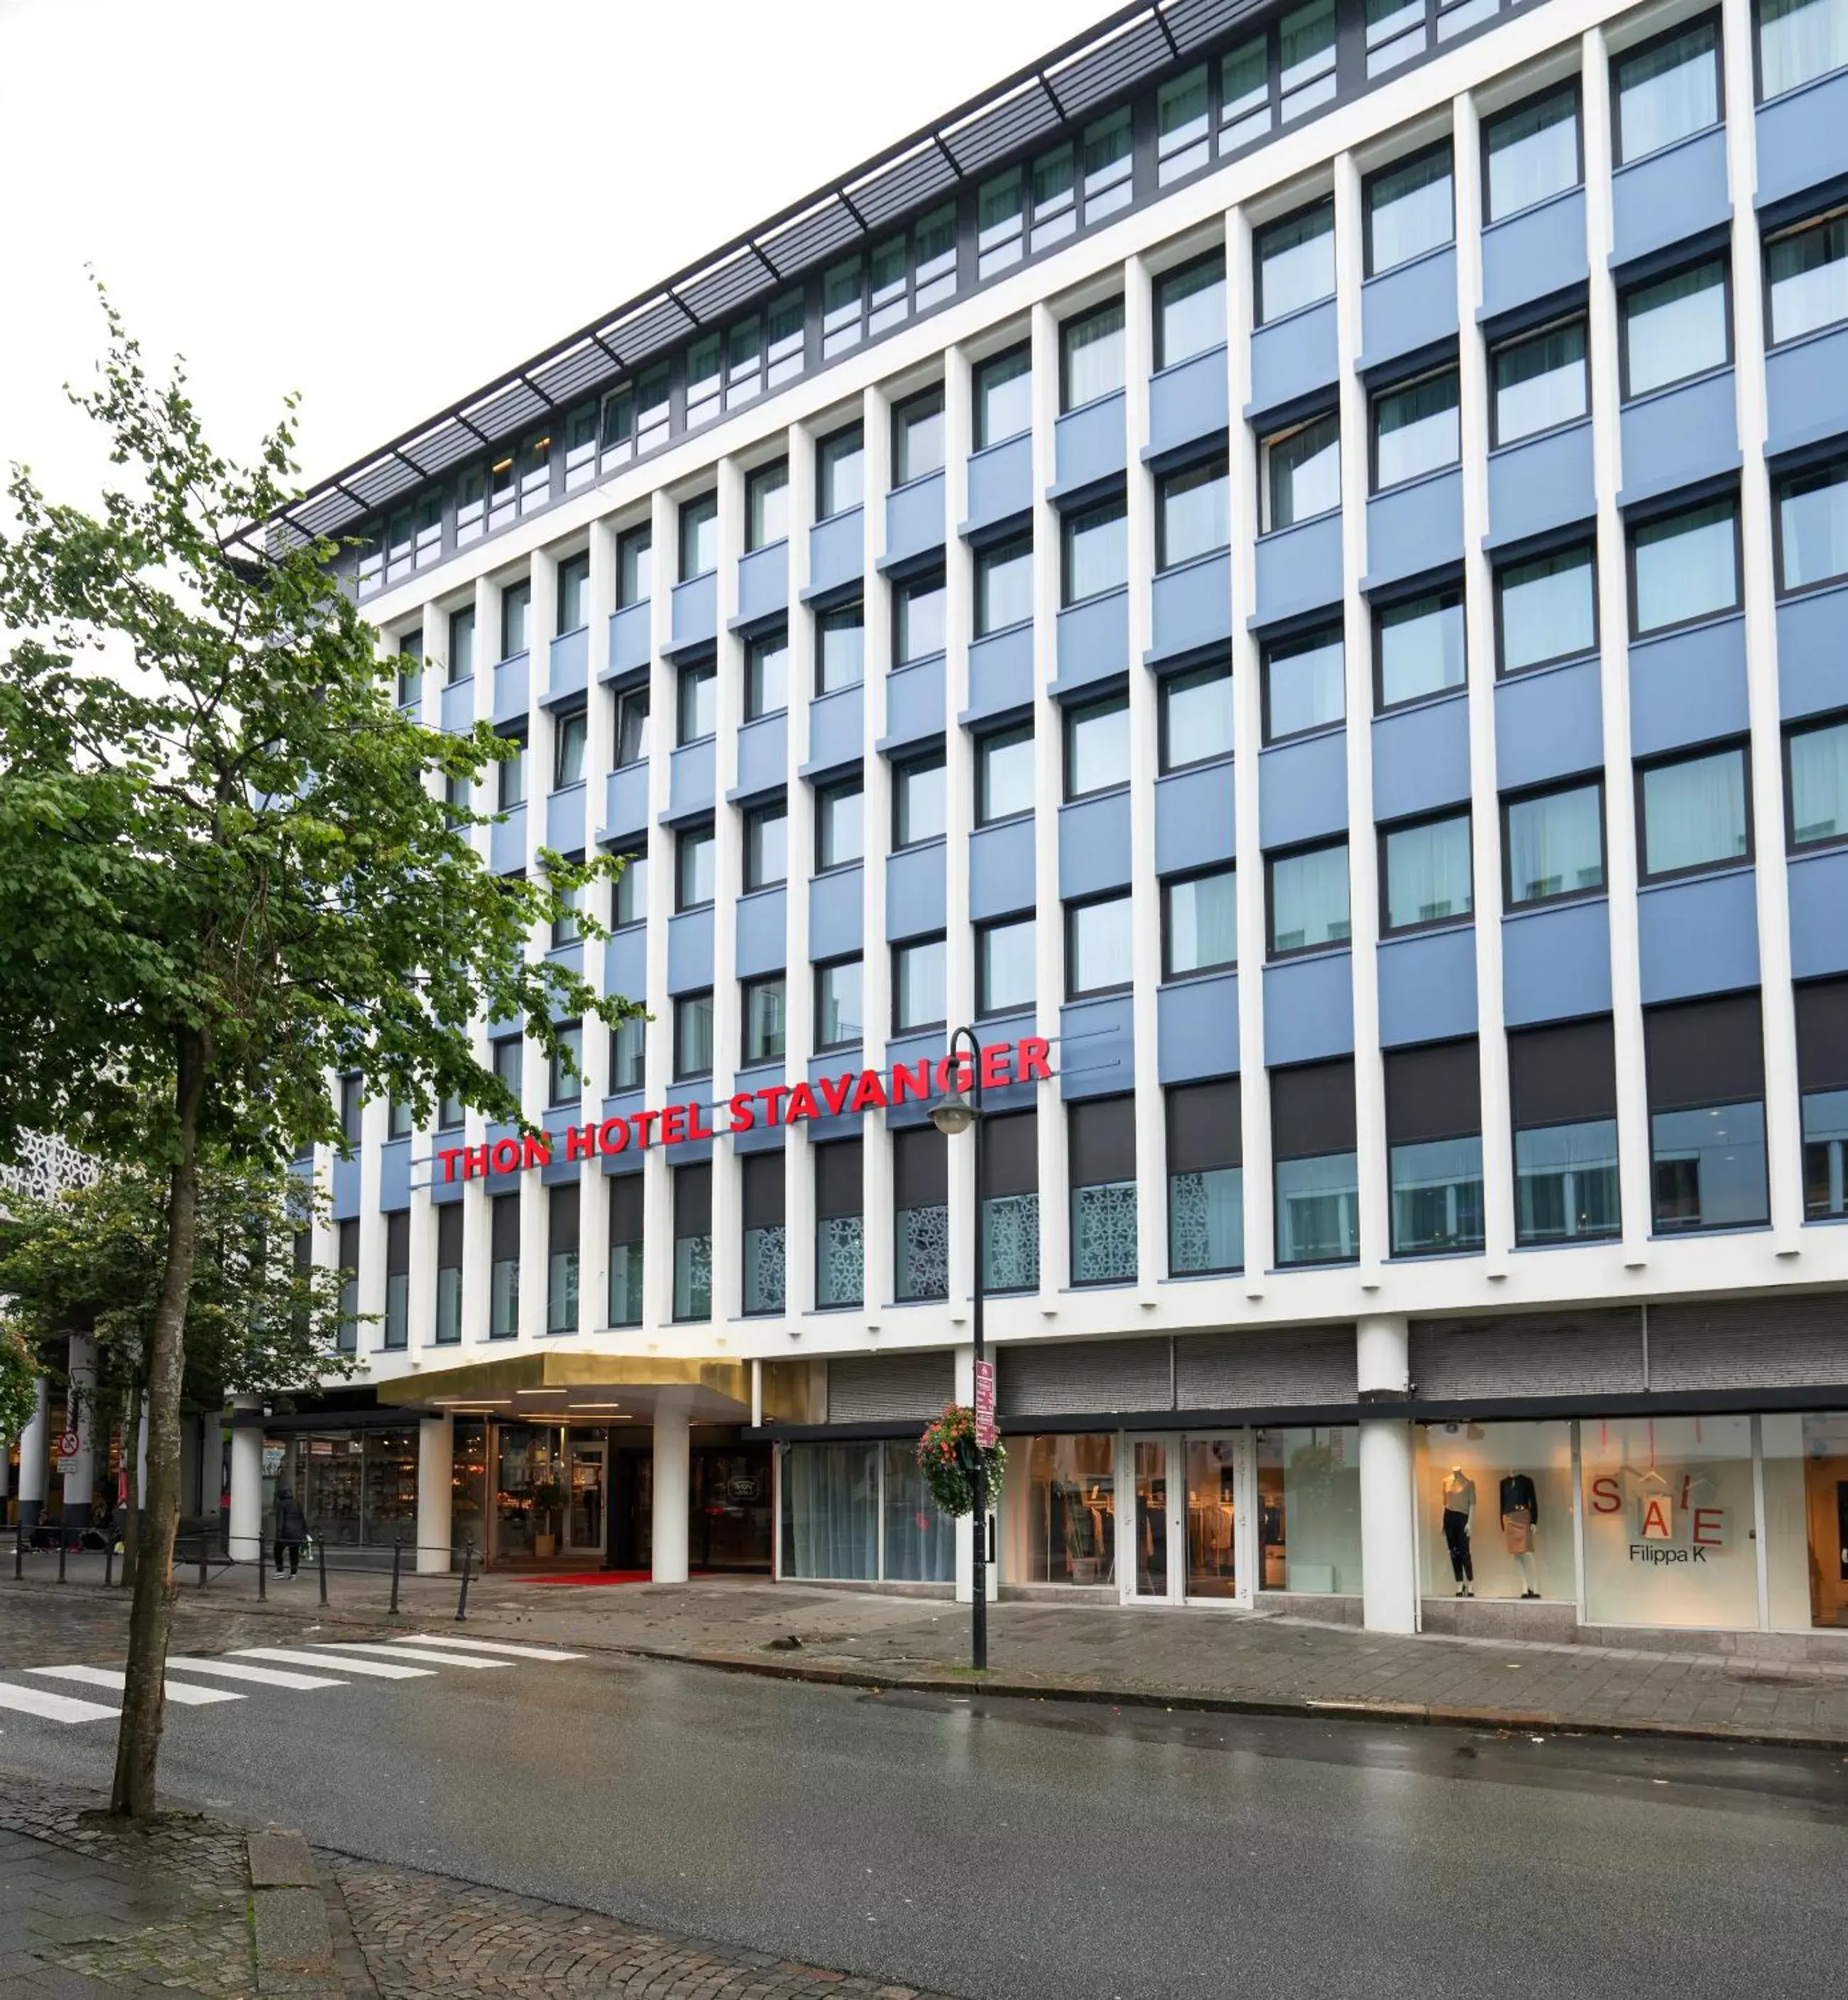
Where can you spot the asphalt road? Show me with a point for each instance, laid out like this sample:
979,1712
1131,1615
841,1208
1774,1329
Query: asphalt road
1054,1850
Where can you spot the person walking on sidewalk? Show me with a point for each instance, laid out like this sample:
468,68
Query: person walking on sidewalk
291,1530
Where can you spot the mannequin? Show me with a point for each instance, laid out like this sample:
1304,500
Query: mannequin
1459,1508
1520,1515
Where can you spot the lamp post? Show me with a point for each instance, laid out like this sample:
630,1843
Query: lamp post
952,1113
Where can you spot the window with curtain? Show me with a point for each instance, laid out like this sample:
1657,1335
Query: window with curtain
1420,647
840,825
569,745
1098,957
1196,717
695,859
839,1018
1553,845
920,1538
840,472
766,505
1001,222
692,1036
1091,355
1414,429
1799,41
1003,585
1004,966
1668,90
1097,746
766,846
1425,872
1694,814
1533,152
1685,566
918,609
920,801
1189,310
840,648
632,726
1538,382
1301,472
1818,760
1003,396
1107,157
1305,683
766,673
1396,31
1095,551
699,536
1004,774
1546,609
699,694
1806,276
1295,263
918,437
1193,513
1184,126
1309,899
1199,923
1812,526
831,1512
1675,326
1409,210
919,986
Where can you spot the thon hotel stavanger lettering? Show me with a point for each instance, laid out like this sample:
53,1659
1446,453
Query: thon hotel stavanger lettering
1023,1061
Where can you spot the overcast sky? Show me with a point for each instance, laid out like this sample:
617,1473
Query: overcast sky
382,203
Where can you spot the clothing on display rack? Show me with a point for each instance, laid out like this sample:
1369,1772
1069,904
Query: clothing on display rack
1459,1506
1520,1514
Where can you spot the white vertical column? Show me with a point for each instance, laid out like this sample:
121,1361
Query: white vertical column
542,621
879,1254
1388,1544
80,1416
657,1054
420,1308
1614,664
959,799
673,1466
1478,605
34,1462
246,1479
799,985
374,1122
1784,1118
727,1263
436,1493
600,759
1363,848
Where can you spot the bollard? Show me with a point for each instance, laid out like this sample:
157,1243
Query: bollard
321,1564
468,1556
398,1553
204,1550
263,1573
63,1546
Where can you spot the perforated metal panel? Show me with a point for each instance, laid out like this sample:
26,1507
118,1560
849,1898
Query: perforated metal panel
1074,1378
1268,1369
1598,1354
877,1388
1763,1343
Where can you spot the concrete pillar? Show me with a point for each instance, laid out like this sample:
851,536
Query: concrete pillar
436,1491
33,1466
673,1474
1389,1560
80,1416
247,1481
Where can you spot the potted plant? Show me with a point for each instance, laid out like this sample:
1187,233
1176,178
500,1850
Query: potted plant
548,1497
948,1458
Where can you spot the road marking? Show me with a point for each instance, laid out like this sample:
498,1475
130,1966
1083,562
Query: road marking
379,1669
234,1670
488,1646
52,1707
400,1651
114,1677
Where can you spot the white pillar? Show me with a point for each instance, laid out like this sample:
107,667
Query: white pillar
1389,1577
33,1469
673,1472
80,1416
247,1481
436,1491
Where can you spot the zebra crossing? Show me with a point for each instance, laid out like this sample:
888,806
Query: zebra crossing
196,1680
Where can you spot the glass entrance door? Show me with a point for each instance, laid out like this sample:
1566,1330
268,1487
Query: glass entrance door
1212,1518
1149,1565
586,1515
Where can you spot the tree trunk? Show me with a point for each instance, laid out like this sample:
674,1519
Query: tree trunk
131,1482
151,1622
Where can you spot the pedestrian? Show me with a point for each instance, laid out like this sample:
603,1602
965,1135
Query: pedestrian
291,1530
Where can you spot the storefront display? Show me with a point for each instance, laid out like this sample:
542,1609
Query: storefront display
468,1489
1212,1518
1059,1510
1495,1510
529,1460
1309,1510
830,1519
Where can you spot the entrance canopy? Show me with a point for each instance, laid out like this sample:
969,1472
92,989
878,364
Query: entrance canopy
553,1386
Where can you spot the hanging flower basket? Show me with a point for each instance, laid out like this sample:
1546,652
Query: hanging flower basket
949,1458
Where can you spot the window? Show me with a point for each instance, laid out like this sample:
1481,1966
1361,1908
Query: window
1799,41
1199,923
634,567
1539,381
1189,310
1206,1179
516,603
693,1242
1295,263
1414,429
513,774
625,1249
410,668
448,1329
920,1215
699,536
766,505
635,417
1684,566
1675,326
840,472
839,1018
1004,774
1312,1140
1424,874
918,437
1184,126
766,673
1822,1083
1099,947
1196,717
705,379
917,619
695,860
1100,1135
628,898
840,836
920,801
1806,276
840,1197
1553,843
1003,393
456,793
766,1014
564,1208
461,645
1668,90
1305,58
1812,526
1409,210
1300,472
1705,1063
840,648
567,925
1193,513
398,1122
1309,899
503,1269
766,1234
1097,746
352,1107
1010,1219
1091,355
628,1052
766,846
692,1036
1000,223
918,986
632,726
568,742
1562,1092
1434,1148
1305,683
699,686
507,1057
1817,760
1419,647
574,593
1052,197
844,307
1003,585
1532,153
1107,162
1695,813
1546,609
1096,549
1005,980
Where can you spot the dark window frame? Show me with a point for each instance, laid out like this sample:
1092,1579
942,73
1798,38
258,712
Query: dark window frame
1383,833
1376,396
1259,320
1835,211
1739,747
1377,609
822,968
1273,956
1168,884
693,673
977,442
682,1001
1120,302
683,836
1158,282
1807,725
839,788
1780,480
1620,57
754,643
756,478
1071,714
1216,464
906,767
1578,317
1631,529
1165,764
1502,673
1336,625
1370,181
902,411
902,946
1573,87
1070,911
1015,732
765,809
1556,788
746,989
985,1009
1723,257
690,516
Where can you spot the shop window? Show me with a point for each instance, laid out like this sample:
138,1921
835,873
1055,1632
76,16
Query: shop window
468,1489
1562,1092
1206,1179
835,1499
1706,1113
1309,1510
840,1201
1494,1510
1667,90
1806,276
1196,717
1546,609
1317,1208
1434,1148
1003,397
766,505
1295,263
693,1242
1059,1510
1101,1142
1010,1210
1305,683
1538,382
447,1331
1532,153
920,1215
766,673
503,1270
397,1332
1409,210
1419,647
563,1207
1822,1078
625,1249
765,1236
531,1458
1189,310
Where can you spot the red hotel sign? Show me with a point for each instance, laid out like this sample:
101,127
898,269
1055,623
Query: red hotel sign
1023,1061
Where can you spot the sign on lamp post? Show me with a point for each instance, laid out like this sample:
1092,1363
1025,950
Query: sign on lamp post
987,1435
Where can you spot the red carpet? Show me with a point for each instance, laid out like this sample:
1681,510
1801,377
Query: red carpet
590,1576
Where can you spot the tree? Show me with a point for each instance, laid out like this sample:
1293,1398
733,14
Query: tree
18,1382
226,871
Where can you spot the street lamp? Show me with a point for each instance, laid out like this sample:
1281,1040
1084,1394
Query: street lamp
953,1114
